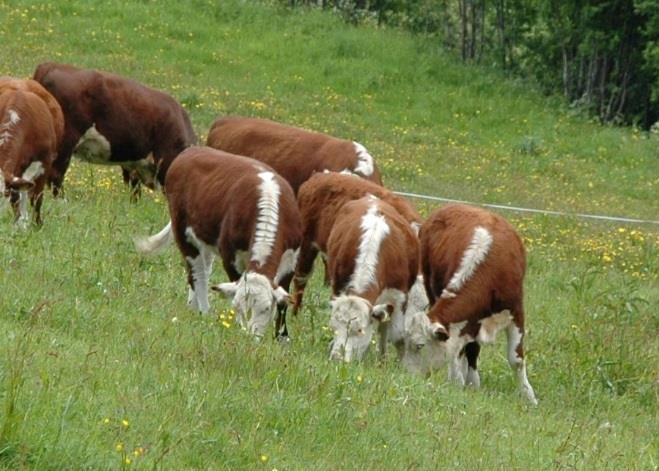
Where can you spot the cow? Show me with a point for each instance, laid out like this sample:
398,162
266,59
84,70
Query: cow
321,199
29,124
113,120
11,83
293,152
240,209
473,266
373,259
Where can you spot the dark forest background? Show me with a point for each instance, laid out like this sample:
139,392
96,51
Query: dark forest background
602,56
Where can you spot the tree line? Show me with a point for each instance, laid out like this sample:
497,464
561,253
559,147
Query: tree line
601,55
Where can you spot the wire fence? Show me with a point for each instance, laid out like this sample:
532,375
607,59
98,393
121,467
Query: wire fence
530,210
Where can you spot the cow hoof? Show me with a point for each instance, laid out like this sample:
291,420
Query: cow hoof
283,339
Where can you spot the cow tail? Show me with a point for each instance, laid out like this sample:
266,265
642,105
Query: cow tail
156,243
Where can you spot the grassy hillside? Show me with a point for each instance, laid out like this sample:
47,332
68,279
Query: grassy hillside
102,366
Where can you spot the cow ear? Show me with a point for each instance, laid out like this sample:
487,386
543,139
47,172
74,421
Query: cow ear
438,332
382,312
228,290
21,184
281,296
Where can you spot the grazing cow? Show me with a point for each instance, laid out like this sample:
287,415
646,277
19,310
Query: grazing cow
293,152
241,210
113,120
473,266
28,144
373,260
10,83
320,200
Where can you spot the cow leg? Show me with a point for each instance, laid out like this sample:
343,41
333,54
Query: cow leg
22,216
198,279
61,163
281,329
515,333
303,271
383,330
472,349
36,199
133,182
456,361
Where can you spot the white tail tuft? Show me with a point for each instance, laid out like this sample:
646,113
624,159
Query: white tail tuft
156,243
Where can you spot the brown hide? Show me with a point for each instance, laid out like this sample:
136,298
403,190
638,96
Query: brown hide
216,194
320,200
10,83
31,139
398,257
135,119
497,283
293,152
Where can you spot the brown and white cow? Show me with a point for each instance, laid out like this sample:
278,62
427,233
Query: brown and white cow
294,153
473,266
29,124
11,83
373,259
321,199
113,120
240,209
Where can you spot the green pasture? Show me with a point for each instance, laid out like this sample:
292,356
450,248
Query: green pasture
102,366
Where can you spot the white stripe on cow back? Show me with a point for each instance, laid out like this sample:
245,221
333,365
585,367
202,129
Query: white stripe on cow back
473,256
6,128
374,230
364,160
267,219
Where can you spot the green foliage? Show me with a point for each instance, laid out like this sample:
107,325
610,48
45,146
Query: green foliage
602,56
113,371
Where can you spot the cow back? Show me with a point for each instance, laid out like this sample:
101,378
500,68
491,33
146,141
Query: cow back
293,152
447,234
10,83
27,131
217,194
397,256
321,197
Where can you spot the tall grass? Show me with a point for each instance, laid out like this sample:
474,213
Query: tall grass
115,372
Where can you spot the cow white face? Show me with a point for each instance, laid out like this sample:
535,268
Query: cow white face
425,347
353,320
254,300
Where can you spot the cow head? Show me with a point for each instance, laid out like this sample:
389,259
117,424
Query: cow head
11,186
425,343
352,321
254,300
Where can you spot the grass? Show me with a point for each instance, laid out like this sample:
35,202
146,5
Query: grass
104,367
